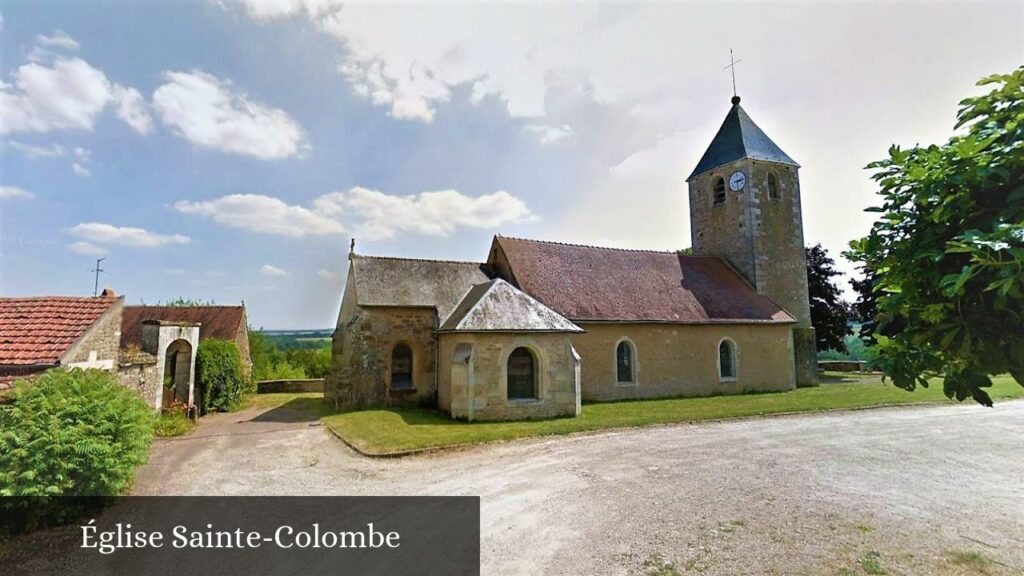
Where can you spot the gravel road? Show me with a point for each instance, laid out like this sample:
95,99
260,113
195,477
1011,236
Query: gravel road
906,488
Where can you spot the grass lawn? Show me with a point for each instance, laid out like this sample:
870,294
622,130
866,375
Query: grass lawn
381,432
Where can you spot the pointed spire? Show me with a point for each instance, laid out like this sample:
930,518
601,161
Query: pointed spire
739,138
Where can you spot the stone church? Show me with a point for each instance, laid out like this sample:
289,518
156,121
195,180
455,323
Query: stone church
541,326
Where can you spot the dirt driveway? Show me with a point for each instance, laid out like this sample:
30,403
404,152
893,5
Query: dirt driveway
908,490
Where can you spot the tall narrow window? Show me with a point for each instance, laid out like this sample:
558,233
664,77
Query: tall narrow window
522,374
624,365
773,186
727,360
719,191
401,366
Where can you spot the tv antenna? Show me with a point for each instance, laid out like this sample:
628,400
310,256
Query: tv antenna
97,270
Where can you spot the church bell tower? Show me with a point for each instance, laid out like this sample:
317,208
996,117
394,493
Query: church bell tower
745,208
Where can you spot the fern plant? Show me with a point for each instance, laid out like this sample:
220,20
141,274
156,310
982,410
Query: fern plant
72,433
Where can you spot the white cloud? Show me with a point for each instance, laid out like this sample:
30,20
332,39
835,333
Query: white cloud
204,110
548,134
33,151
124,236
68,95
372,214
326,275
131,108
87,248
59,39
15,193
59,93
273,271
270,9
265,214
82,155
438,213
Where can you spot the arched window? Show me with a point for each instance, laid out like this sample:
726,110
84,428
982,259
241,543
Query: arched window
625,366
719,191
773,186
727,360
522,374
401,366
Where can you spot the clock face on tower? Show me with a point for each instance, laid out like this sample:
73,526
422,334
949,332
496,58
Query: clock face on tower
737,181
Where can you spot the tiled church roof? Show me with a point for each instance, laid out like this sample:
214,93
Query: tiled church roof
440,284
587,283
39,330
221,322
739,138
497,306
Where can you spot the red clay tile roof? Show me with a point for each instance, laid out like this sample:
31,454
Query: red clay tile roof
40,330
7,381
221,322
608,284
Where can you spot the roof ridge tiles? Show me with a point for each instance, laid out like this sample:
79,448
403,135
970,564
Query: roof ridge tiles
57,297
592,246
437,260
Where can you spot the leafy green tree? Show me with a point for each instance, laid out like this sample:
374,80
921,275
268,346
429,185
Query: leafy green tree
219,374
946,257
830,315
75,433
180,302
315,362
264,354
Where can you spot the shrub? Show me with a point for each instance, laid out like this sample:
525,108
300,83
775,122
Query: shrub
173,421
68,434
219,375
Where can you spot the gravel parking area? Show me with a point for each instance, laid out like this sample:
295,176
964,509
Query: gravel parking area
911,490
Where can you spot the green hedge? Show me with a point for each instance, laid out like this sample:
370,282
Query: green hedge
68,433
219,375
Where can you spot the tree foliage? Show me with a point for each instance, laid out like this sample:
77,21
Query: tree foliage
75,433
219,375
946,256
181,302
270,362
830,315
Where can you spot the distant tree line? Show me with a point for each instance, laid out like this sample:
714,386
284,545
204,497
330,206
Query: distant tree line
273,359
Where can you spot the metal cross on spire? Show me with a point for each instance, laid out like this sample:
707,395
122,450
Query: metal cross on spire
732,64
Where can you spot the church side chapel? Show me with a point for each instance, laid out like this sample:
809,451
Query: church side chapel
541,326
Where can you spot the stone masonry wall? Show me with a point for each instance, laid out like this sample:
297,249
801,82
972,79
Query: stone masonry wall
361,358
140,377
780,260
486,381
682,359
723,229
100,345
242,342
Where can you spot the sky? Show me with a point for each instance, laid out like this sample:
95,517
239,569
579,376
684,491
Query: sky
229,150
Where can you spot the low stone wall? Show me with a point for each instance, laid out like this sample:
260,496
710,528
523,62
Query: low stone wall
277,386
843,365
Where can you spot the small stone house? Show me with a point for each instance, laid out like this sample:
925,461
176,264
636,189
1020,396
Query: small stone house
151,348
44,332
540,326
